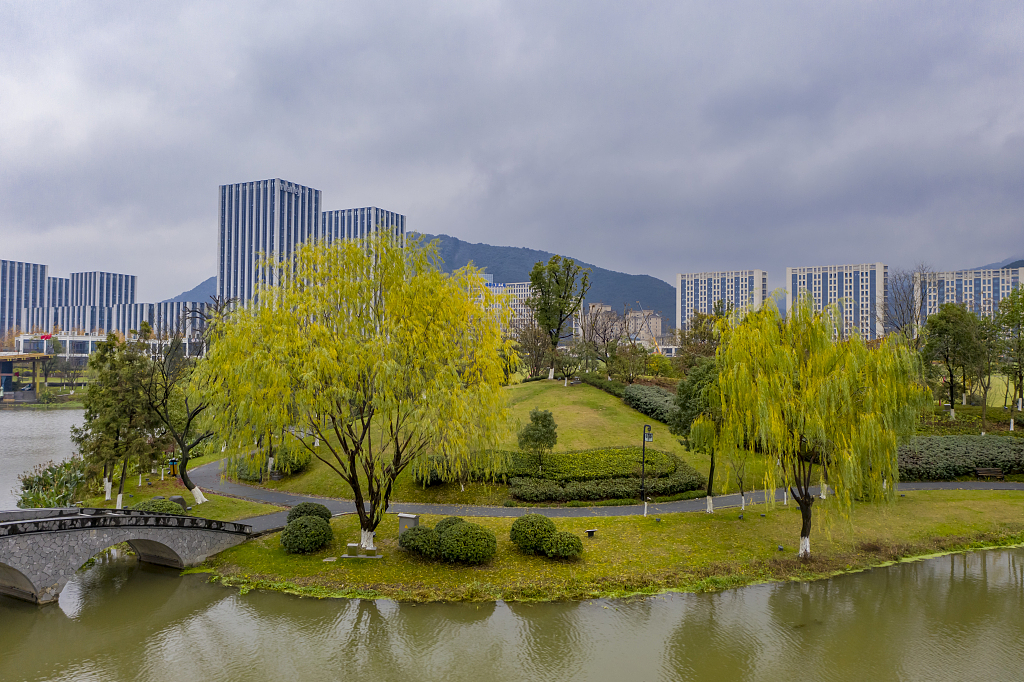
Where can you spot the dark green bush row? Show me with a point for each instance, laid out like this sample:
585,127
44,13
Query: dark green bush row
578,465
563,545
616,388
306,534
684,478
452,539
159,506
309,509
655,402
942,458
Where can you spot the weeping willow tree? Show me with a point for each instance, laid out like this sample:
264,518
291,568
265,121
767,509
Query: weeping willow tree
827,411
368,356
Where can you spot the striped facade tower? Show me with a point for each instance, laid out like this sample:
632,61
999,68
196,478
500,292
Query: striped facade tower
23,291
979,290
256,219
355,223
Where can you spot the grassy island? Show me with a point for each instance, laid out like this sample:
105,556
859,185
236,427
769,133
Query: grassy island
688,552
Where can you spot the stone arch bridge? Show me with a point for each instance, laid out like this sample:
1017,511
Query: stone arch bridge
40,549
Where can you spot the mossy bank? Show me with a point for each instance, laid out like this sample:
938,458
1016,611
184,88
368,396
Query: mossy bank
688,552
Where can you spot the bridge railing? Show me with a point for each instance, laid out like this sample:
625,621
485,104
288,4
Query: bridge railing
57,520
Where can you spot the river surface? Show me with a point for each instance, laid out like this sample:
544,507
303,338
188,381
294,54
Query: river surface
29,437
958,617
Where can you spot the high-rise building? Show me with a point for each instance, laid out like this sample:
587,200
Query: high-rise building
101,289
23,288
270,218
354,223
699,292
979,290
861,291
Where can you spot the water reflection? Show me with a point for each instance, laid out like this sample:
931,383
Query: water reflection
32,437
955,617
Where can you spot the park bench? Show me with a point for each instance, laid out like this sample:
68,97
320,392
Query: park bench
995,473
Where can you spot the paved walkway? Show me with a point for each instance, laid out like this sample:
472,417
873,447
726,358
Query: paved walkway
207,477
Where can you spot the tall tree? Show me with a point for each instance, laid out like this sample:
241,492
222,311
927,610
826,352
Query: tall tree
119,426
533,347
907,302
951,340
693,399
559,287
1011,324
369,357
988,345
789,391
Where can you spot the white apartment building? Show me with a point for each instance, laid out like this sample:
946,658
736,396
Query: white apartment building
518,293
861,291
698,292
979,290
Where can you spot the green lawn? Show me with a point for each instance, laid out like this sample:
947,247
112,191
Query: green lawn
688,552
586,416
217,507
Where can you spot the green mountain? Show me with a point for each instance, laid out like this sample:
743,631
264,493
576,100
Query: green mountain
513,264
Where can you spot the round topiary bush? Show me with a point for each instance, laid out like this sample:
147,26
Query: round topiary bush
445,524
530,531
421,540
468,543
564,545
306,534
309,509
159,507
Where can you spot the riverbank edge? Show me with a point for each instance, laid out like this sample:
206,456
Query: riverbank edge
715,578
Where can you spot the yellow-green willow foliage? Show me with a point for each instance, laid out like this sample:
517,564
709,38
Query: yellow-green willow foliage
370,357
791,392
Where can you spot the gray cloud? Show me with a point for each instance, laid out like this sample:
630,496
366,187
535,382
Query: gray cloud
656,137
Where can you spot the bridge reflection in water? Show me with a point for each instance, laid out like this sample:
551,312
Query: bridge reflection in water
40,549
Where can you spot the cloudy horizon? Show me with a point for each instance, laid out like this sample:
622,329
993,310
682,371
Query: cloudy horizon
649,138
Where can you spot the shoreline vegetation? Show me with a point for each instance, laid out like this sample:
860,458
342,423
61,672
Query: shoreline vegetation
632,556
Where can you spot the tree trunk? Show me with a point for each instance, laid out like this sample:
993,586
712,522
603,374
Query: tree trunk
805,502
711,475
711,506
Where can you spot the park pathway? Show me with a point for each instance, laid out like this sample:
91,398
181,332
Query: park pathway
207,477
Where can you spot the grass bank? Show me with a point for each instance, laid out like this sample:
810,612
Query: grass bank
217,507
586,416
688,552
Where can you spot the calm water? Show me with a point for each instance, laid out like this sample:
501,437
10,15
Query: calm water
951,618
31,437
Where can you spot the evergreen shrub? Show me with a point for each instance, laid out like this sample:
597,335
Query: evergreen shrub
467,543
160,507
655,402
446,523
616,388
421,540
943,458
309,509
306,534
530,532
563,545
683,479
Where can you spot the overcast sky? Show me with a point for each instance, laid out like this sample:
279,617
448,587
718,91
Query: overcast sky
644,137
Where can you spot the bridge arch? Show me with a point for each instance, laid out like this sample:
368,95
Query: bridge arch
16,584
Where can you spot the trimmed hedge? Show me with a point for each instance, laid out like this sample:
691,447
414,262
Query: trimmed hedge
467,543
445,524
683,479
309,509
160,507
616,388
563,545
655,402
530,532
943,458
306,534
421,540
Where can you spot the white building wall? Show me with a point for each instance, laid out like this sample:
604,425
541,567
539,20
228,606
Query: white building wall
979,290
698,292
861,291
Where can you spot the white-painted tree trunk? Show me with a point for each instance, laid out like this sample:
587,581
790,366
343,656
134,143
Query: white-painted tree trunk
964,396
270,464
366,539
1011,423
107,484
952,414
824,491
161,473
711,506
805,548
140,480
118,505
566,384
551,373
198,494
885,484
743,502
785,498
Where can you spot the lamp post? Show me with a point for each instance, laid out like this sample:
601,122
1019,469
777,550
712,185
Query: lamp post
648,437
